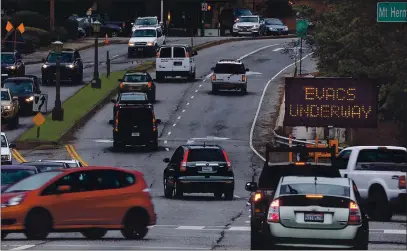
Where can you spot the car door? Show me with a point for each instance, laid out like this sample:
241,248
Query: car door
164,61
181,61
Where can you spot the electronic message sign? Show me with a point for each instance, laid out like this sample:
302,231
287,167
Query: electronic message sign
339,102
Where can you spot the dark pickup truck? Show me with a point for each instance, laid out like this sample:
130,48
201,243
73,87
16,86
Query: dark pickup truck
263,191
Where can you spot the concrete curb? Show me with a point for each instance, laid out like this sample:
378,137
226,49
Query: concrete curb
101,44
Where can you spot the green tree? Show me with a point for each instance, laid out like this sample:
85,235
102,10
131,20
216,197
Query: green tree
348,42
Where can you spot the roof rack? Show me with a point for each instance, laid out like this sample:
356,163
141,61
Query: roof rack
272,149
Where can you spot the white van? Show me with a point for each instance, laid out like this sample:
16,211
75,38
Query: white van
5,150
175,60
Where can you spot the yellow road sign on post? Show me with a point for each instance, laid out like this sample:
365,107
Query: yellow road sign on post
21,28
39,119
9,26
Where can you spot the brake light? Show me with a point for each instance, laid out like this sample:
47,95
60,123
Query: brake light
157,55
154,126
116,128
213,77
354,214
228,163
187,55
183,166
274,211
243,78
299,163
257,196
121,85
402,182
149,84
314,196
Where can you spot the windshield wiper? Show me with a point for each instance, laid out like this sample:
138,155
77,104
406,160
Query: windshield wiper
292,190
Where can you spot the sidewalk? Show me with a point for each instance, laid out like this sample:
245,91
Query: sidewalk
82,44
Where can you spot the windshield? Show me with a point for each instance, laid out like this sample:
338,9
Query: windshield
7,58
242,12
135,78
229,69
147,21
311,188
18,87
248,19
33,182
206,155
11,176
5,96
273,22
3,141
382,156
66,57
144,33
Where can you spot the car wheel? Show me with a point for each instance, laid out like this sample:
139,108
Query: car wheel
244,90
3,235
94,234
379,208
256,242
217,195
229,194
38,224
135,225
168,191
192,76
117,145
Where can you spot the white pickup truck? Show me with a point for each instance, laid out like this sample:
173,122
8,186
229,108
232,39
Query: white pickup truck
380,176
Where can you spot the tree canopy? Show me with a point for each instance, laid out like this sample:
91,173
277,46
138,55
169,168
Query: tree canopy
349,42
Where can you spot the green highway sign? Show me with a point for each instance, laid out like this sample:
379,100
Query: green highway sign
301,27
392,12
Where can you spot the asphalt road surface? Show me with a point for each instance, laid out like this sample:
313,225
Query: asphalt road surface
190,110
118,54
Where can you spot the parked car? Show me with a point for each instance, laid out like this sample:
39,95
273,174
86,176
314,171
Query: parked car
229,16
275,26
12,174
109,29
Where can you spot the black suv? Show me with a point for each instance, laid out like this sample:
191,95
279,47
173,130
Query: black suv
24,89
135,125
136,81
199,168
12,65
71,67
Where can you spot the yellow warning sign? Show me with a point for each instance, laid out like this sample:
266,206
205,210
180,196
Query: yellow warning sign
9,26
21,28
39,119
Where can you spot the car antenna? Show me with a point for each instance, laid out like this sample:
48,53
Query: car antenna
315,185
204,143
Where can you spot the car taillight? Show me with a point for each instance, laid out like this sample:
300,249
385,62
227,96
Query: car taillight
243,78
121,85
187,55
213,77
183,166
116,128
157,55
274,211
354,214
154,126
149,84
228,163
257,197
402,182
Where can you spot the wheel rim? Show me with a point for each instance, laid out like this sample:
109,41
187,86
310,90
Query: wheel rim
165,184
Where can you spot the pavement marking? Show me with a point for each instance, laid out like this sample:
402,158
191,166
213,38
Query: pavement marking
183,110
394,231
122,247
278,49
23,247
261,102
237,197
16,154
239,229
192,97
167,149
73,153
200,85
165,142
196,90
174,125
187,103
191,227
179,117
169,133
103,140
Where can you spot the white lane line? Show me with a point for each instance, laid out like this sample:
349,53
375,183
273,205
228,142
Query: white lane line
192,97
261,101
238,229
174,125
165,142
237,197
278,49
169,133
183,110
23,247
167,149
196,90
187,103
122,247
179,117
247,221
191,227
394,231
200,85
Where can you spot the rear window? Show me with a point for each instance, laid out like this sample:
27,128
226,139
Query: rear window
206,155
165,52
382,156
135,97
179,52
229,69
135,116
135,78
310,188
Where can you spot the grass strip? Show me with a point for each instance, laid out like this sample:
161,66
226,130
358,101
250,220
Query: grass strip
75,108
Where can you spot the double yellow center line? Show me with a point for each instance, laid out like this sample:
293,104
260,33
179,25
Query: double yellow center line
18,156
72,152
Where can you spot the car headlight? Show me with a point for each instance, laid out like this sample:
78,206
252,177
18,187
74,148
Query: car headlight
5,157
70,66
150,43
29,99
256,26
133,29
285,28
7,107
131,44
271,29
44,66
16,200
12,67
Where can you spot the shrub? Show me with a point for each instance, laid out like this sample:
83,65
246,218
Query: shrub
30,19
71,27
60,34
44,37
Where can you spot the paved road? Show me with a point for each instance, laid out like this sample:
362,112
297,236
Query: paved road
189,110
118,52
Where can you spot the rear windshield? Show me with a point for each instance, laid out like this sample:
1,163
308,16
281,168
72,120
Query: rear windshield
179,52
129,117
135,97
135,78
229,69
165,52
19,86
310,188
206,155
382,156
10,176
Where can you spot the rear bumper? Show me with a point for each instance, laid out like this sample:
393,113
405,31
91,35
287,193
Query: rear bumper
399,202
127,139
201,184
174,73
140,50
276,33
66,74
135,89
225,85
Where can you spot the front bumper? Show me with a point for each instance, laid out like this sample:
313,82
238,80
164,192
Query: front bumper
26,106
206,184
142,139
66,74
247,32
138,88
7,114
141,49
6,160
277,32
12,218
229,86
174,73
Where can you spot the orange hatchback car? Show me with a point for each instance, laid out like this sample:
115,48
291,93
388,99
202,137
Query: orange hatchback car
90,200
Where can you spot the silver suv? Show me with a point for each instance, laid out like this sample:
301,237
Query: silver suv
229,75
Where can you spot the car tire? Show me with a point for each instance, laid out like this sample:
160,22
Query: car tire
255,240
178,193
160,76
229,194
117,146
218,195
135,224
192,77
94,234
379,208
38,224
168,191
3,235
244,90
215,89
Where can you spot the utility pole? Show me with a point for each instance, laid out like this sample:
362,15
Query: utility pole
52,14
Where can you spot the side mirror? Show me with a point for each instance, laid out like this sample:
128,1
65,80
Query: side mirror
247,69
64,189
158,121
120,80
43,60
111,121
251,186
15,98
166,160
113,101
213,68
12,145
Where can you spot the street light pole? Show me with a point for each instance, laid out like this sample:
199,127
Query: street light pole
96,82
58,112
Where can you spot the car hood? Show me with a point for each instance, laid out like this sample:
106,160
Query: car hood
246,24
278,26
142,39
5,151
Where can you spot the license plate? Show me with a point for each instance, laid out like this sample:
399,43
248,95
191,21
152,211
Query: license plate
135,134
177,63
314,217
140,49
206,169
